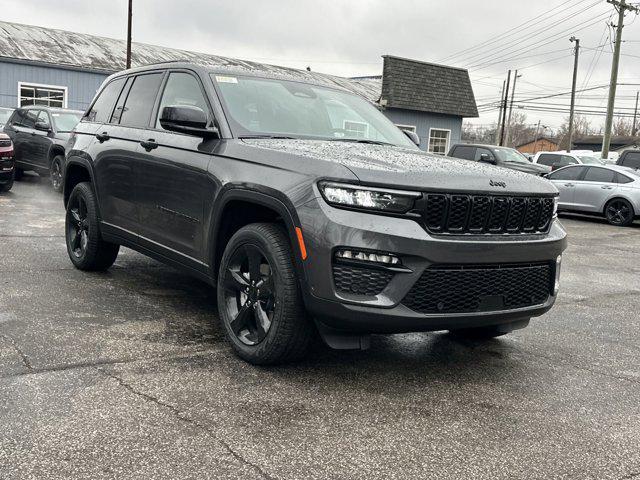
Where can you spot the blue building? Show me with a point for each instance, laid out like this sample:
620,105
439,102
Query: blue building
44,66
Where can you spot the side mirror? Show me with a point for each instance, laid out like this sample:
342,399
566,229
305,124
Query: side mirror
42,126
486,158
413,136
187,119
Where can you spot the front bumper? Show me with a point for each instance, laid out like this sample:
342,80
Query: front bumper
7,167
327,228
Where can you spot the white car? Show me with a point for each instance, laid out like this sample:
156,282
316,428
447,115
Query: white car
557,160
607,190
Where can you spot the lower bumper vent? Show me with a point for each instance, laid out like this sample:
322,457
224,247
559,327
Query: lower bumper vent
362,281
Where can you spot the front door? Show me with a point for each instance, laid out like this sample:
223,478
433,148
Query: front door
597,186
173,184
565,180
41,141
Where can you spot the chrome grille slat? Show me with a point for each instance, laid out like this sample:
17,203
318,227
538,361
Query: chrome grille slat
457,214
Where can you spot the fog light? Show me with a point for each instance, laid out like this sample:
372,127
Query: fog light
556,286
384,258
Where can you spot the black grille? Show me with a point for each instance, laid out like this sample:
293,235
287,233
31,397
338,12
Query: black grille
479,288
487,214
363,281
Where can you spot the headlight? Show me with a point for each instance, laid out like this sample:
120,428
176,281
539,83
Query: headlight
555,206
368,198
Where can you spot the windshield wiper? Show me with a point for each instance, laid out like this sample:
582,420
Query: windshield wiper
360,140
276,137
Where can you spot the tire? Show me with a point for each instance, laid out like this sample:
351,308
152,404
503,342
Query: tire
55,173
487,333
7,186
267,326
619,212
18,174
85,246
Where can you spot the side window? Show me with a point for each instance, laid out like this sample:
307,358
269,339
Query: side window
139,103
595,174
623,178
29,119
117,112
631,159
16,118
546,159
43,117
101,109
485,151
182,89
463,151
566,160
571,173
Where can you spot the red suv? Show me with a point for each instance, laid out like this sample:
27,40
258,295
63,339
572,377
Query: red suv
7,163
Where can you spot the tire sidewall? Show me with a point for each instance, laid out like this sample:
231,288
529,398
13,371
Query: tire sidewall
251,237
83,190
629,221
57,159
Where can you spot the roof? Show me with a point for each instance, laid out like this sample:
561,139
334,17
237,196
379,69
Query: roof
427,87
598,139
548,139
81,51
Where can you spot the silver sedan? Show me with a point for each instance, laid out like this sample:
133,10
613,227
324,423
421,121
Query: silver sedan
608,190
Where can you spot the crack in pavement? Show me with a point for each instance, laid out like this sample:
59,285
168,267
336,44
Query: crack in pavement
181,416
23,356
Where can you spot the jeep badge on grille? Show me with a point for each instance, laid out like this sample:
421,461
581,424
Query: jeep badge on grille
493,183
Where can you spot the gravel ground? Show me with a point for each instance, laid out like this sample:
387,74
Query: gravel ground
126,374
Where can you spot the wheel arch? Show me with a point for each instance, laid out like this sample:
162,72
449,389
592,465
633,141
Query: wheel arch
617,196
76,170
231,212
54,151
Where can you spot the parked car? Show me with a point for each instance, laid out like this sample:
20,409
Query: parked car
39,136
7,164
5,114
606,190
252,182
557,160
500,156
629,158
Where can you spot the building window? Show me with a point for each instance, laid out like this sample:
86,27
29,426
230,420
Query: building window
42,95
356,129
408,128
439,141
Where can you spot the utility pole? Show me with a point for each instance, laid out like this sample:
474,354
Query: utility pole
621,6
573,90
129,33
497,139
504,109
513,93
635,116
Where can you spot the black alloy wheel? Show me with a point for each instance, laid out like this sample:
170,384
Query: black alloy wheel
78,226
619,212
56,174
249,294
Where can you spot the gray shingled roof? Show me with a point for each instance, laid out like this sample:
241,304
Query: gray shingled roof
427,87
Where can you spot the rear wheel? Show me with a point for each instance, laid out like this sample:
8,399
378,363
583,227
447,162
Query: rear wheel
85,246
56,173
619,212
259,301
7,186
19,173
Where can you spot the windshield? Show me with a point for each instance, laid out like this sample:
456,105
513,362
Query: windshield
65,122
259,107
4,116
511,155
590,160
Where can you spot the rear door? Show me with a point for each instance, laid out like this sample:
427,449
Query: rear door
565,181
116,153
595,188
24,131
41,141
173,184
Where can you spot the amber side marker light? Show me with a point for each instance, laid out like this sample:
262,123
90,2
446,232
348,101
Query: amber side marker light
303,249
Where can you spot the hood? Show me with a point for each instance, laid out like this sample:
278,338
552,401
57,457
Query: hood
535,168
412,168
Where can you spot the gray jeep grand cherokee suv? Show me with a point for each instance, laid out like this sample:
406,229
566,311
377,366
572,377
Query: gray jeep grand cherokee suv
306,208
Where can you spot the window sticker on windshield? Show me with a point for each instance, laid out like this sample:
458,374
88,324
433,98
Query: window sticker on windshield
223,79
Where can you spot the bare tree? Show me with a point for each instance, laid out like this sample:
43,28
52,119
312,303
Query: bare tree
622,126
519,130
479,133
581,127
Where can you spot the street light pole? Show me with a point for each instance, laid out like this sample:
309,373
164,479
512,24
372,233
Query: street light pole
130,14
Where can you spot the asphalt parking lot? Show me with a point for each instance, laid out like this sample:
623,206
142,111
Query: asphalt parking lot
126,375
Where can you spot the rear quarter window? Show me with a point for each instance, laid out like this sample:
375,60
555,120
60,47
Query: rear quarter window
630,159
101,109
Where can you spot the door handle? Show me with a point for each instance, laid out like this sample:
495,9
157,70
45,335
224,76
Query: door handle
102,137
568,185
149,145
606,187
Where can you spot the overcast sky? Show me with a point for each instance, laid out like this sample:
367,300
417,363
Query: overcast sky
348,38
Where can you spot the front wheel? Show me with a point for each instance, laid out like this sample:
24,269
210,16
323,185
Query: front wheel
56,173
19,173
619,212
85,246
259,300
